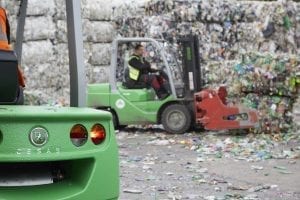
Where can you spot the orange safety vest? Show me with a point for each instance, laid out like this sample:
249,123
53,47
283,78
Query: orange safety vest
4,40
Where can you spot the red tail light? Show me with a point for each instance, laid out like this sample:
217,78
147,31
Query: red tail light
98,134
78,135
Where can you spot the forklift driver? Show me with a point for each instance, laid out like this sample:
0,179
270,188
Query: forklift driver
5,40
140,71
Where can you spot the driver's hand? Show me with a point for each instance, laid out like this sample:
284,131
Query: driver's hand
154,66
154,70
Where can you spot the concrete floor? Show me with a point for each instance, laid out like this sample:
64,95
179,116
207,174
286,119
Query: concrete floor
153,168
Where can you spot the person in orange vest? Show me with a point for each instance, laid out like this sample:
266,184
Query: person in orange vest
5,40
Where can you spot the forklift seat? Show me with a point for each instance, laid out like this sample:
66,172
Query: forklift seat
136,95
9,85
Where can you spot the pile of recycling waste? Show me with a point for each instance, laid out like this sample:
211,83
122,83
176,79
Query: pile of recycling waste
251,47
268,83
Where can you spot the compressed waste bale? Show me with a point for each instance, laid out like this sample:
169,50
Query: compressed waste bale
100,54
98,31
41,7
39,28
97,74
37,52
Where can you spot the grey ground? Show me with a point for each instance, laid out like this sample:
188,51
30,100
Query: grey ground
155,165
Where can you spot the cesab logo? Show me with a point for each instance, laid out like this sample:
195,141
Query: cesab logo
38,136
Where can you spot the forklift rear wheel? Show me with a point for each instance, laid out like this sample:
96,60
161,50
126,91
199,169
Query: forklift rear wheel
176,119
115,120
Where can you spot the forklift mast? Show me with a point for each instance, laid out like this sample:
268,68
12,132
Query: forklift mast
191,65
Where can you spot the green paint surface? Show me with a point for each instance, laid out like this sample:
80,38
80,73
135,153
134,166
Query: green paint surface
93,170
133,106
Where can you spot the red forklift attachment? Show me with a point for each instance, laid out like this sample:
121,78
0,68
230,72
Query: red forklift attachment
213,114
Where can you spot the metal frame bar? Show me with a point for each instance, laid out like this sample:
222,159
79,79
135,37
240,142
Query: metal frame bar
20,29
76,60
112,77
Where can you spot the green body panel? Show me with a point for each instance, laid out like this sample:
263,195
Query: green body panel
144,112
98,95
132,106
93,170
137,95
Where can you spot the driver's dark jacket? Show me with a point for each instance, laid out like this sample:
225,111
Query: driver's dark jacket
141,64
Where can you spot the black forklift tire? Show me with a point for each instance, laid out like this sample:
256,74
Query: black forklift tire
176,119
115,120
114,117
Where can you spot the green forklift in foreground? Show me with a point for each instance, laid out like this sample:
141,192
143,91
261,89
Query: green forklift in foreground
55,152
187,106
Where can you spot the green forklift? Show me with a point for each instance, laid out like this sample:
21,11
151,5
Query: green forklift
188,106
55,152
